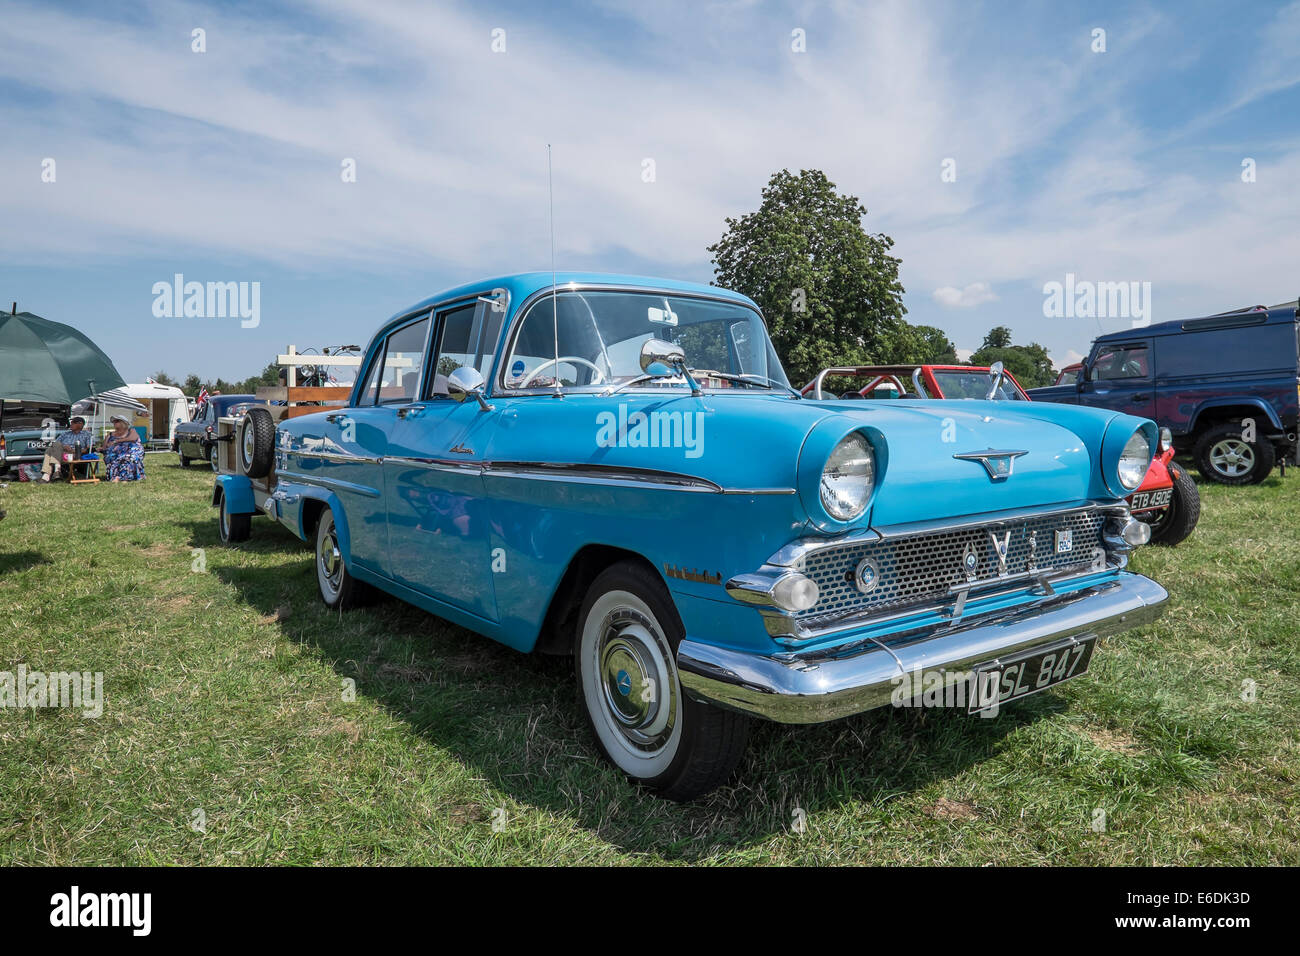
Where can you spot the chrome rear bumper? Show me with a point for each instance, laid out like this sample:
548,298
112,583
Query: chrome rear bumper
815,686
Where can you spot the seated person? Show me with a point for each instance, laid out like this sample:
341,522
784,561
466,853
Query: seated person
74,441
123,452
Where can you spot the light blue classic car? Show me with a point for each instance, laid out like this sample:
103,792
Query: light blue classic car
617,468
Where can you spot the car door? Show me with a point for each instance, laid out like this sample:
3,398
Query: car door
344,450
1120,375
438,532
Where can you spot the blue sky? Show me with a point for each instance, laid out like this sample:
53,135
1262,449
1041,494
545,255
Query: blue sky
1123,165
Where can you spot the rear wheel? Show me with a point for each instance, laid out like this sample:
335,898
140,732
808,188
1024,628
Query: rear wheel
625,654
1176,522
185,462
214,453
1223,455
232,529
338,589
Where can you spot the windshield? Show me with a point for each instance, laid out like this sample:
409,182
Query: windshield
974,384
601,335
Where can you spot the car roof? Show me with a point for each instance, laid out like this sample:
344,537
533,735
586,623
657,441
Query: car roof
231,399
1286,312
521,285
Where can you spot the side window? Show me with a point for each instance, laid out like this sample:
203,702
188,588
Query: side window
467,336
456,346
403,359
1127,361
369,394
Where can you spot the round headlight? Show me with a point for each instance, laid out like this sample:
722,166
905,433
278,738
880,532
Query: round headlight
847,478
1134,461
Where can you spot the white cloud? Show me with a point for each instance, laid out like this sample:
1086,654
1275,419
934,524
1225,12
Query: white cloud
977,293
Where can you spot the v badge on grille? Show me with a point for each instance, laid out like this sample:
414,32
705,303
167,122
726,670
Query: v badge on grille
998,464
1000,548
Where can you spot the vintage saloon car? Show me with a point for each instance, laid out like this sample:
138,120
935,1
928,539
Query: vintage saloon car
618,469
196,440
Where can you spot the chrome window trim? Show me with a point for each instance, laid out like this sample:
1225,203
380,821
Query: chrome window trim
517,321
406,318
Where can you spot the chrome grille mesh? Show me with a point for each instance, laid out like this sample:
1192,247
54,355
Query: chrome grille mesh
926,567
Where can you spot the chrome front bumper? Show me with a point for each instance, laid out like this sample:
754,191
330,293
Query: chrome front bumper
810,687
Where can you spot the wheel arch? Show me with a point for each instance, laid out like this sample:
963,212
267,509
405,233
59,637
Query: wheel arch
556,635
1217,411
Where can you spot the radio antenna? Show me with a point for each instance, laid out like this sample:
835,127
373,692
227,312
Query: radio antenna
555,314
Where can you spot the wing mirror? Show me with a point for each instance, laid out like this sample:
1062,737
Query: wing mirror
995,370
467,382
661,359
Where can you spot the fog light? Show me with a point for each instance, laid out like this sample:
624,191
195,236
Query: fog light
1126,533
1136,533
795,592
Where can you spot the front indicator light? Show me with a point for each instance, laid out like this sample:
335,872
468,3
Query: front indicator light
795,592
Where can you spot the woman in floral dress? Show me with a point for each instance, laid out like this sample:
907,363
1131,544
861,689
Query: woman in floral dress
123,452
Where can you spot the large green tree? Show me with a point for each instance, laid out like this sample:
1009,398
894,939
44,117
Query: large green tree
1030,364
828,288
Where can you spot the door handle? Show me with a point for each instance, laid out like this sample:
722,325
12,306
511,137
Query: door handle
1141,397
410,411
334,417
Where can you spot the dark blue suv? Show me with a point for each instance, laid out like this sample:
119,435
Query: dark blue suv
1226,386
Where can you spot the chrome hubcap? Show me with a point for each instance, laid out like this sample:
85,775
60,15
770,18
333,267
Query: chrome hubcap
1232,457
331,563
248,445
636,679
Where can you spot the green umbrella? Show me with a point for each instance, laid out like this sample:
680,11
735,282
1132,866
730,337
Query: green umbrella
44,361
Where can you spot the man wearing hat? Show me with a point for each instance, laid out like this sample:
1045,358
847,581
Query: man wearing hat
73,440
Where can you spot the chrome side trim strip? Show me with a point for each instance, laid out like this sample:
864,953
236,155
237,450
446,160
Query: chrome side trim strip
617,476
336,456
363,490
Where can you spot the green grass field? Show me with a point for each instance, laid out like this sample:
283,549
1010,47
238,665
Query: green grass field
225,705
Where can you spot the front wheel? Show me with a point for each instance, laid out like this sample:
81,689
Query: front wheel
1176,522
625,654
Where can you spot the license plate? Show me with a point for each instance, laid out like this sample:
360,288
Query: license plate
1147,500
1029,672
37,445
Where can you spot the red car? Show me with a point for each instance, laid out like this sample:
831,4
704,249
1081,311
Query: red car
1167,499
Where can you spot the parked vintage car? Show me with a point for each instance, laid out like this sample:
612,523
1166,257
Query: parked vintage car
618,469
196,439
26,430
1226,386
1167,499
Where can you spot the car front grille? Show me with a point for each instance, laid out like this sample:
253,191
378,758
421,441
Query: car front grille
926,567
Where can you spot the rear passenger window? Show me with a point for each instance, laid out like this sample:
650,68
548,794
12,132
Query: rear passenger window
403,360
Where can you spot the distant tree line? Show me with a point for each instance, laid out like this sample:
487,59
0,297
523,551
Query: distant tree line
193,383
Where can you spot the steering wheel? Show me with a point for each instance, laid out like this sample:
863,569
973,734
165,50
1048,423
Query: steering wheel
577,360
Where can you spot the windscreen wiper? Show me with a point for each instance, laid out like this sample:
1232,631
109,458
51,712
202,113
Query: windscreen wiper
748,378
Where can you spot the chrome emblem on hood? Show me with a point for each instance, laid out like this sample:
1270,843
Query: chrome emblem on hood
998,464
